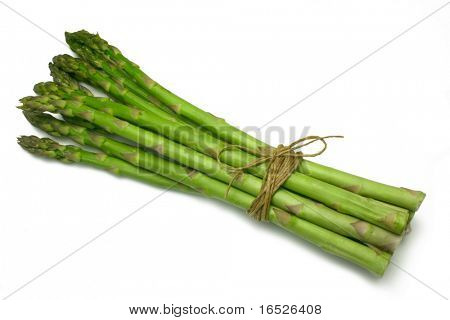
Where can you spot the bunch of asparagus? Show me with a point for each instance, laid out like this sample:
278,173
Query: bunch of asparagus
145,132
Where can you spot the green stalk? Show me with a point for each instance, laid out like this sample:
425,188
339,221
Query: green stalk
114,59
373,260
203,142
83,123
88,55
190,158
71,154
388,217
120,75
302,207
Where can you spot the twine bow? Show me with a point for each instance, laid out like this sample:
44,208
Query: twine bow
281,162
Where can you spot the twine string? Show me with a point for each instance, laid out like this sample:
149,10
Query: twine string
281,161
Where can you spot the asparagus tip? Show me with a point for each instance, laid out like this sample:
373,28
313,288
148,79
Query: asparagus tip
49,148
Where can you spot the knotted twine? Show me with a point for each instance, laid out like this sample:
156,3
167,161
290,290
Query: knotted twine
282,161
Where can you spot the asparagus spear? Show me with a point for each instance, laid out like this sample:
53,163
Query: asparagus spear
67,81
83,123
209,145
71,154
337,198
310,211
373,260
179,131
387,219
58,75
113,59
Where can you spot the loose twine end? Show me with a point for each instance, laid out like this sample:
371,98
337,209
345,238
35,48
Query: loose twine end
281,161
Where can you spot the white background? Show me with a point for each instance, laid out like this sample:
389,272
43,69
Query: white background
245,61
